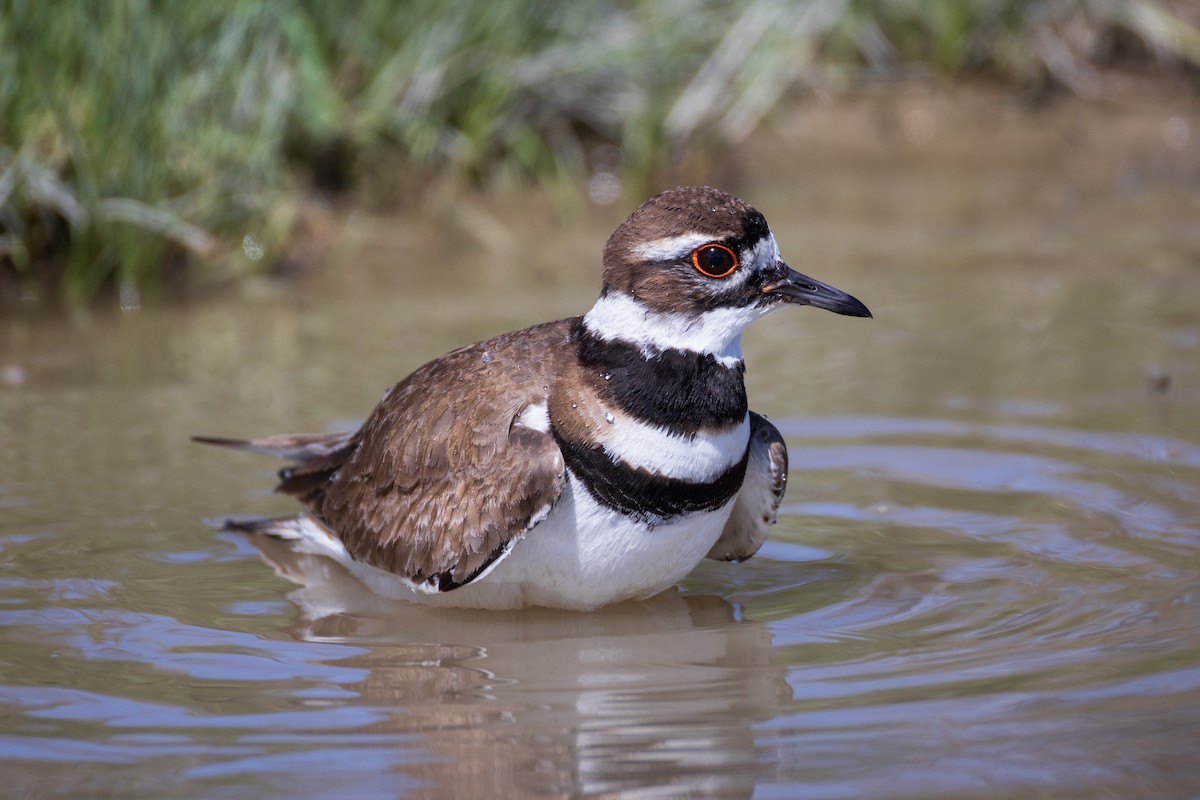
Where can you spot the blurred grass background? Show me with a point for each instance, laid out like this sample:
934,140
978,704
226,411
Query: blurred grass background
147,142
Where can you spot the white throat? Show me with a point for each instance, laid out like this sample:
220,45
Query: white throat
619,316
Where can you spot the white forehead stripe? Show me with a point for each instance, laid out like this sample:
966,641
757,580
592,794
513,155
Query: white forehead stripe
672,247
765,251
616,315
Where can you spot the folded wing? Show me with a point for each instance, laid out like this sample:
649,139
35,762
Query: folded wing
757,503
437,486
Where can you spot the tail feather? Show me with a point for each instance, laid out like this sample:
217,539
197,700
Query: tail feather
317,457
308,481
274,527
292,447
302,532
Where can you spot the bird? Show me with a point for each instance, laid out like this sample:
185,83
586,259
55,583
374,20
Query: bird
575,463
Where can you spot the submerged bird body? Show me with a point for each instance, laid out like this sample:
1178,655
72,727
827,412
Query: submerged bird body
579,462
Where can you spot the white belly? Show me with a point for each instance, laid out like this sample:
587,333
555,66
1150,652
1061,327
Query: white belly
583,555
586,555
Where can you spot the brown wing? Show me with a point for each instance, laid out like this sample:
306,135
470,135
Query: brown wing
758,501
442,478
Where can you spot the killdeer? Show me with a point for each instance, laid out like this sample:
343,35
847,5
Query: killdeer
579,462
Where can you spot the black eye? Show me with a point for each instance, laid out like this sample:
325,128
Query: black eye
714,260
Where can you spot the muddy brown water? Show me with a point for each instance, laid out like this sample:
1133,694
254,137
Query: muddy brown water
984,582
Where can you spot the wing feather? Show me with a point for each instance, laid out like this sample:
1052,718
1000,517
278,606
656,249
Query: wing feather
757,504
442,479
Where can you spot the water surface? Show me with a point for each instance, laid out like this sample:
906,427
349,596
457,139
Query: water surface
983,584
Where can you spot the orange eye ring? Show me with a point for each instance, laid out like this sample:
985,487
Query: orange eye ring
714,260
